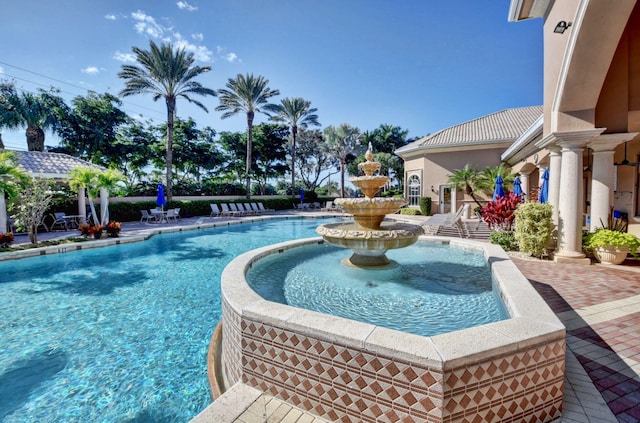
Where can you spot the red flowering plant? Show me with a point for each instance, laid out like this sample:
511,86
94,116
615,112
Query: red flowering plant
90,230
113,229
6,239
499,214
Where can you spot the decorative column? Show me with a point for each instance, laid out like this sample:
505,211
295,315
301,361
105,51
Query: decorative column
571,195
555,162
602,176
524,183
82,205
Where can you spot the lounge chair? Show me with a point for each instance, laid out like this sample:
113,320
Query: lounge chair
255,208
236,209
177,209
248,210
264,209
61,220
215,211
447,220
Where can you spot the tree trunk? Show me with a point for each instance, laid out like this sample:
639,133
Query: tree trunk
35,138
1,143
294,132
171,111
250,116
342,163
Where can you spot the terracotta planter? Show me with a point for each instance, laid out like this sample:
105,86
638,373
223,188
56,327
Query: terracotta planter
611,254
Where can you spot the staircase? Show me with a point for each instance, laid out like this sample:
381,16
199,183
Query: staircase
476,231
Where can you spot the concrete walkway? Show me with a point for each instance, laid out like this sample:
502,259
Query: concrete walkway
599,305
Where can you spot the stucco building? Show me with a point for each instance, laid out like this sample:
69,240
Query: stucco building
588,132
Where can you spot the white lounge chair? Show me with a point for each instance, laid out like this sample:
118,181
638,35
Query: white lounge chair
264,209
225,210
248,210
215,211
236,209
255,208
447,220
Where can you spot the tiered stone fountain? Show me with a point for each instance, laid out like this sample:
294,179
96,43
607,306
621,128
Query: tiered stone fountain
369,237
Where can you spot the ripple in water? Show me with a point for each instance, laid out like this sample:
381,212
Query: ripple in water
435,289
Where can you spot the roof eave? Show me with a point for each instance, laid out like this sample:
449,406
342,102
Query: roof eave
524,146
520,10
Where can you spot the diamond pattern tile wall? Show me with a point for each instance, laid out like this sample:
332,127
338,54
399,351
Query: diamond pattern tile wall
347,384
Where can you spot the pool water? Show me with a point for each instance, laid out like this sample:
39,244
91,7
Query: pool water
434,288
119,334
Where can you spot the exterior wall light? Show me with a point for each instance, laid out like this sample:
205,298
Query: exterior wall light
562,27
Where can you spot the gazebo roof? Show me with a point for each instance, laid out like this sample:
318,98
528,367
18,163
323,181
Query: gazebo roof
42,164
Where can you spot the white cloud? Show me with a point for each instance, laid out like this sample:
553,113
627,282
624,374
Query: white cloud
124,57
147,25
110,17
1,70
91,70
198,37
229,57
201,53
186,6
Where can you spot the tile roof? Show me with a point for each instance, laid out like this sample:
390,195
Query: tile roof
499,127
50,165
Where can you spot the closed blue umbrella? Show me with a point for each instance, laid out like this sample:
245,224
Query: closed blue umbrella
499,191
160,200
301,196
517,188
544,190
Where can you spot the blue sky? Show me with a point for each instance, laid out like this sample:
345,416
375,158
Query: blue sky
423,65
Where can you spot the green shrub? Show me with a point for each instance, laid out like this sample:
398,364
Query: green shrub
425,205
505,239
534,227
606,237
410,211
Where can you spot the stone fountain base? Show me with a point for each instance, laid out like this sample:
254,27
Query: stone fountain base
369,246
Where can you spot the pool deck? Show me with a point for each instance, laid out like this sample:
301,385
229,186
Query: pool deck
599,305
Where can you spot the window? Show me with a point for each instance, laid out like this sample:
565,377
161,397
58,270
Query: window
414,191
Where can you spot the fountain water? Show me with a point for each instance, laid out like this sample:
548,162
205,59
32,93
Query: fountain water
369,237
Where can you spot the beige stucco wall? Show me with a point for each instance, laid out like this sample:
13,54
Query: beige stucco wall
436,167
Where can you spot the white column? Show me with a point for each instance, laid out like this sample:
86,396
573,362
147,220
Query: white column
82,205
524,183
104,206
570,201
555,166
602,176
3,213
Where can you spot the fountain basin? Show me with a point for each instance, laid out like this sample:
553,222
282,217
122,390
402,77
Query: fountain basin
351,371
370,212
370,245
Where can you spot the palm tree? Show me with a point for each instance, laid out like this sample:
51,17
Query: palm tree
11,179
166,73
465,179
295,112
487,177
35,112
248,94
342,142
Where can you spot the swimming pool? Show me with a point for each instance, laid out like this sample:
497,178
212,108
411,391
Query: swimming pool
119,334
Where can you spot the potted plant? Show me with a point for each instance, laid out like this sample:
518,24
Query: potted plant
91,230
610,246
6,239
113,229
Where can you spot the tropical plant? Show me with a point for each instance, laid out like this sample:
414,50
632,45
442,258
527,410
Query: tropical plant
12,178
166,73
35,112
500,214
534,227
486,178
93,180
313,160
342,142
609,237
35,198
296,113
6,239
506,239
248,94
465,179
113,228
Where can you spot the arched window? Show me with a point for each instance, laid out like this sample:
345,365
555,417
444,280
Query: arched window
414,190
